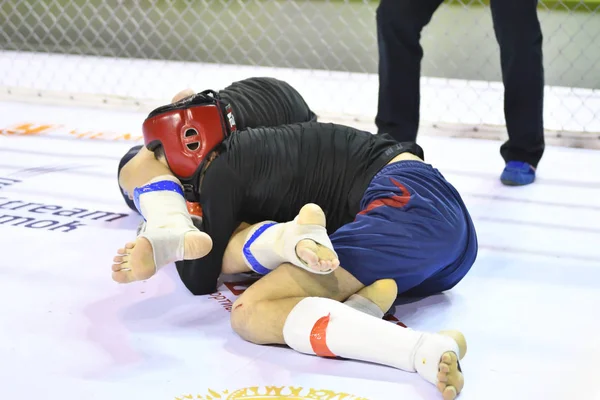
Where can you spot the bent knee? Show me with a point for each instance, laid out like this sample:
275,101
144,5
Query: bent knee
242,315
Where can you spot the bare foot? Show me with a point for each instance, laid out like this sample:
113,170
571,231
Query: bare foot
450,378
316,256
382,292
135,261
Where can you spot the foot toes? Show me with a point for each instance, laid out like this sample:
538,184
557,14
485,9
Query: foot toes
449,358
441,386
121,259
127,249
117,267
449,393
315,256
123,276
442,377
326,265
308,256
450,379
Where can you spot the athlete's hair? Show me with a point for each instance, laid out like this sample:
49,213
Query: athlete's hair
159,152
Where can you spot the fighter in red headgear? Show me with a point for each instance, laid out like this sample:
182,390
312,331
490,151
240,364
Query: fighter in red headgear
254,102
188,131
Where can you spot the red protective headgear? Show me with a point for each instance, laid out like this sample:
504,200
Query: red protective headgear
188,131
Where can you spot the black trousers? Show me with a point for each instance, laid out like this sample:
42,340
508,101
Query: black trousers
518,32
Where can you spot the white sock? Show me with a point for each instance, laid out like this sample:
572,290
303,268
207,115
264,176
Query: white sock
364,305
329,328
167,219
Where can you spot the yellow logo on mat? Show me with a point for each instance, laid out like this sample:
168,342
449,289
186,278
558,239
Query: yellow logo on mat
272,393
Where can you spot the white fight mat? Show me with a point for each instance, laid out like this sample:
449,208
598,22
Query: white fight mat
529,308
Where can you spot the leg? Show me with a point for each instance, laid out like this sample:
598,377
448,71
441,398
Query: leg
131,154
291,306
124,160
264,246
169,234
259,314
375,299
519,36
399,25
140,169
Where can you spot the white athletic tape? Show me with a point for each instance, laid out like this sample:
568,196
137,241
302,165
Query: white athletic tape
167,220
271,244
364,305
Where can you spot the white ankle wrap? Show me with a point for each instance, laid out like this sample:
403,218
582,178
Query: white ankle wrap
272,244
329,328
167,220
364,305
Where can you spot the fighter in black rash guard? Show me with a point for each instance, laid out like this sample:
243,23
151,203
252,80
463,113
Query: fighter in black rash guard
382,223
264,102
270,173
255,102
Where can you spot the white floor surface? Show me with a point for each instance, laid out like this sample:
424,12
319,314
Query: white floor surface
529,307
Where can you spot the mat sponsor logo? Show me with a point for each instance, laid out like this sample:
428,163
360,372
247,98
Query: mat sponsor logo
5,182
222,300
235,288
48,216
34,129
272,392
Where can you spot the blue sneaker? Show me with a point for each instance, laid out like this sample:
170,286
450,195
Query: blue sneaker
517,173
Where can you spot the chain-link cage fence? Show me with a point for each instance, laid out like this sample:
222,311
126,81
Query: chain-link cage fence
150,49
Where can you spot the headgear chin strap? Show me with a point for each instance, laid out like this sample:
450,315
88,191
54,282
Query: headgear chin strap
189,130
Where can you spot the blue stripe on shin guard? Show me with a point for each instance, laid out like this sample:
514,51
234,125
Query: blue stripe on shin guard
155,187
254,263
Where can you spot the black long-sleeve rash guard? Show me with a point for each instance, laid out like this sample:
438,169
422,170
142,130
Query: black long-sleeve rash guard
270,173
258,102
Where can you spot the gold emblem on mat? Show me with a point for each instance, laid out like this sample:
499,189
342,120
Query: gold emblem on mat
272,393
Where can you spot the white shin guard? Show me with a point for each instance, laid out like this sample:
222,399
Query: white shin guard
329,328
272,244
167,219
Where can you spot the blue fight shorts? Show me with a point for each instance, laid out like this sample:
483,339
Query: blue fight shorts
413,228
